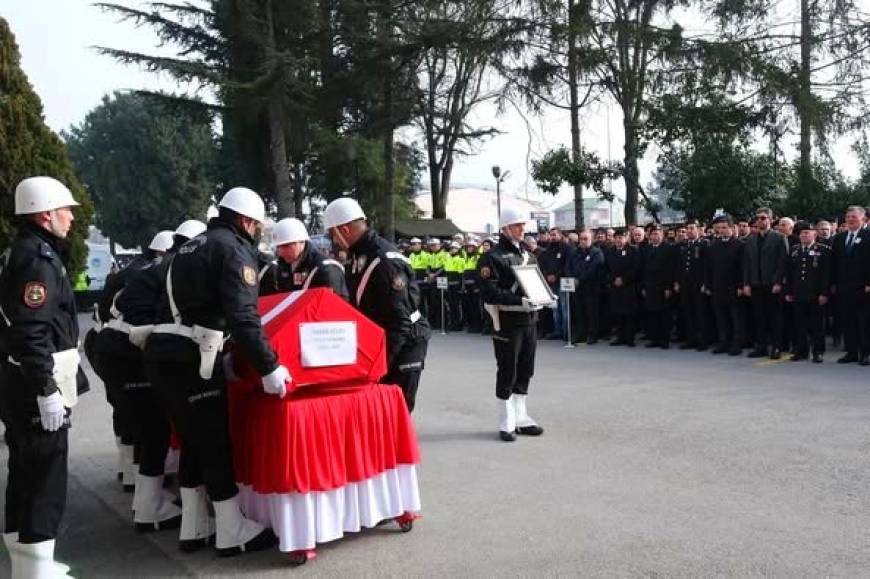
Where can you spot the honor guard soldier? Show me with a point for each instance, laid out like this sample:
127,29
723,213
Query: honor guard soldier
808,282
514,319
382,287
134,318
623,266
120,362
690,279
40,375
300,265
211,294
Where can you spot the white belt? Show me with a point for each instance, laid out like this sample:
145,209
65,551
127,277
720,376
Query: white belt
526,309
119,325
138,335
210,343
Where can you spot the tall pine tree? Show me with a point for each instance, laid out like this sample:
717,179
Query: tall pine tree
28,147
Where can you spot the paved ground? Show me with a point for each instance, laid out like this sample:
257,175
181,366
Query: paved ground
667,464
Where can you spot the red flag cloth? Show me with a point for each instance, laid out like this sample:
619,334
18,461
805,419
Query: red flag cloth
318,439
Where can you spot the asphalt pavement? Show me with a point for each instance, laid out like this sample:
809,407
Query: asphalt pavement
653,464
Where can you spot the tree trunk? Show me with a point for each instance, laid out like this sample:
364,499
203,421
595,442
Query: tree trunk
439,204
804,105
298,190
280,167
574,110
632,177
446,173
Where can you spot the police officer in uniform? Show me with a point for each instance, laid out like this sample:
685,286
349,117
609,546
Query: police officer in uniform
133,319
300,266
121,364
808,281
514,319
419,259
211,291
382,287
40,375
471,307
623,266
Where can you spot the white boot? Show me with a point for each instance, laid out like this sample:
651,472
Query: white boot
237,534
153,512
129,468
507,423
36,561
525,424
10,540
197,525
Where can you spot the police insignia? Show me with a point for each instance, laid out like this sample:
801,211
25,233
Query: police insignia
249,274
398,283
35,294
485,272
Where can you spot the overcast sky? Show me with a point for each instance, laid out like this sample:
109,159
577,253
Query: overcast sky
56,37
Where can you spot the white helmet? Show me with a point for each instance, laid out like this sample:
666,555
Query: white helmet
38,194
455,245
244,202
416,240
190,228
511,216
162,241
289,230
341,211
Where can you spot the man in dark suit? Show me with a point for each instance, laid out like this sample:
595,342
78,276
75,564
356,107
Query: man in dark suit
658,283
764,262
586,265
723,275
851,253
807,287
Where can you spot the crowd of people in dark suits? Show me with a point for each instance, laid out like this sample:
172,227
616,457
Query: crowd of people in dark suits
769,286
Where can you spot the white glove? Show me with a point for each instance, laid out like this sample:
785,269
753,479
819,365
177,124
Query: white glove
51,411
276,381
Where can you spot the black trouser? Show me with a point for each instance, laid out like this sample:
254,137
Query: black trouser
659,325
435,306
406,369
729,323
788,328
423,285
854,314
37,475
809,325
587,302
471,309
694,315
767,313
515,359
454,301
198,409
126,421
625,328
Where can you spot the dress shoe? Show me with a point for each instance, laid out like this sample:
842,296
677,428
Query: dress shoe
630,344
775,354
702,348
864,361
665,345
507,436
735,352
848,359
531,430
757,354
688,346
618,343
817,359
798,357
720,350
591,341
653,345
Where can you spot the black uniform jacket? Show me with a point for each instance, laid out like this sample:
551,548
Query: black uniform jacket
499,285
39,313
382,286
214,283
658,275
690,264
625,264
313,270
723,268
809,273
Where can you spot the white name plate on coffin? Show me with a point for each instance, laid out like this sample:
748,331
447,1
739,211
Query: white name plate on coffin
327,344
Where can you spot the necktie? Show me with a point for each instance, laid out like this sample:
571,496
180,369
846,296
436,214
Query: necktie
850,240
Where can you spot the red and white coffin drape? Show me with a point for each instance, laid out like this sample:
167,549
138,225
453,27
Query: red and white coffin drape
337,454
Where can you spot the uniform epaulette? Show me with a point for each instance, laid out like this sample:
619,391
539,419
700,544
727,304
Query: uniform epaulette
397,255
45,250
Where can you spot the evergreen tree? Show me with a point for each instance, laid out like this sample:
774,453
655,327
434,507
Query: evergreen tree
28,148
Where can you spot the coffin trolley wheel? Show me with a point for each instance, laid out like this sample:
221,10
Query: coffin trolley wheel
406,521
298,558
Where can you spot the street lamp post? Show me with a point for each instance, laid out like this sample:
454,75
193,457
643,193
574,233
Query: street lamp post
499,177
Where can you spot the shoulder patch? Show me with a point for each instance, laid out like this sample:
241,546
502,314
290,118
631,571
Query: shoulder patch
485,272
398,283
249,274
35,294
